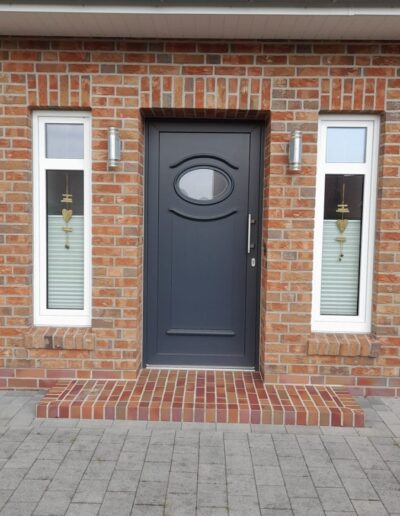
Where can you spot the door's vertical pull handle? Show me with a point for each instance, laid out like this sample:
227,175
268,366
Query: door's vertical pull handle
249,233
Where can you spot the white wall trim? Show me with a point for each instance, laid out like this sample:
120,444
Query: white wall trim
42,315
362,322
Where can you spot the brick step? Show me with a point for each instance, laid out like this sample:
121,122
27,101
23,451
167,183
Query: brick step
201,396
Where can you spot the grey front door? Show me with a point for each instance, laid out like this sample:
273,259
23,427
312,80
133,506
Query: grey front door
202,217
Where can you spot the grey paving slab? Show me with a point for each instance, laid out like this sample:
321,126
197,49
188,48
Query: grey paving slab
334,499
53,503
148,510
18,509
182,482
83,468
180,504
307,507
90,491
151,493
83,509
118,503
124,480
369,508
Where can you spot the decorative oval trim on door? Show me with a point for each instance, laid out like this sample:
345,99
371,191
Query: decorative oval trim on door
203,184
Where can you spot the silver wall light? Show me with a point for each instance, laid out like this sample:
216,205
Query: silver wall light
114,147
295,150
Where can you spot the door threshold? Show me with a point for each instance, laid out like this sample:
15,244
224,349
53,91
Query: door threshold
195,368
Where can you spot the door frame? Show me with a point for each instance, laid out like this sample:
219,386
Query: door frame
146,316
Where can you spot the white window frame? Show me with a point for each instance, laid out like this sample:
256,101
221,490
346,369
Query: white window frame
362,322
43,316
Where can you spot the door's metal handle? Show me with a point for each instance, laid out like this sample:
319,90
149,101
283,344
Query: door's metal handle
249,233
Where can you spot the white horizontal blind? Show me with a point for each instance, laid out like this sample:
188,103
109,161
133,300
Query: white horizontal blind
340,279
65,267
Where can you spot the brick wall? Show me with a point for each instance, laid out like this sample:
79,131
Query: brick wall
123,81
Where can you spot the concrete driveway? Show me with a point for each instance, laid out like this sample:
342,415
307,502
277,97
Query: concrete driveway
82,468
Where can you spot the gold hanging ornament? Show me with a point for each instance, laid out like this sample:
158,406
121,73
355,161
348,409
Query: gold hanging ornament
342,223
66,212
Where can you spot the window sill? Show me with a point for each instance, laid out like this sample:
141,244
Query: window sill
59,338
343,344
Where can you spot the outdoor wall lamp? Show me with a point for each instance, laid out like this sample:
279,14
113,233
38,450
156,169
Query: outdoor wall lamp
114,147
295,150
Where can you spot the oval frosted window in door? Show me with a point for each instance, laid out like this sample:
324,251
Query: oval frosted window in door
203,185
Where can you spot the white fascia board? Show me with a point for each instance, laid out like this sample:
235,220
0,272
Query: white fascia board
243,11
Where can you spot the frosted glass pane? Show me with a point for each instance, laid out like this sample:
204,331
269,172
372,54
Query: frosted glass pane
65,240
203,184
340,278
64,141
65,266
346,144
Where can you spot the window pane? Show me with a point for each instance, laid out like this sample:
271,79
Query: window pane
341,244
65,239
204,184
64,141
346,144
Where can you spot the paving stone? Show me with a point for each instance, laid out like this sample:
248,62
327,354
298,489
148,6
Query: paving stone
349,469
29,491
23,459
242,485
155,472
211,455
369,508
10,478
307,507
4,495
53,503
212,495
334,499
151,493
64,435
83,509
43,469
390,499
268,476
159,453
131,460
160,436
293,466
273,497
18,509
382,479
337,447
360,489
54,451
148,510
239,464
211,439
299,487
212,473
90,491
114,436
325,477
107,451
365,452
276,512
100,470
243,505
118,503
7,448
124,480
180,505
212,511
181,462
180,482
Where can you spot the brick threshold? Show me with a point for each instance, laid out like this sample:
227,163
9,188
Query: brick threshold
201,396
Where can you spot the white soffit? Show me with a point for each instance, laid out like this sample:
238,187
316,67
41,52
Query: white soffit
201,22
